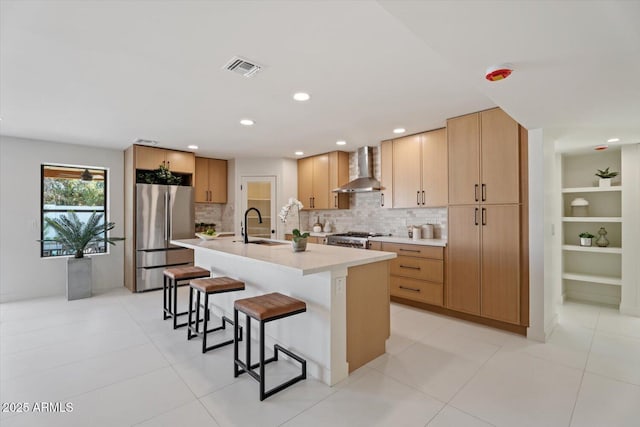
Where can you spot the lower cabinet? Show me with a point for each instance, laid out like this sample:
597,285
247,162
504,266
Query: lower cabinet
417,273
310,239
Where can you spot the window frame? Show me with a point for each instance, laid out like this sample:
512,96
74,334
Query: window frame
104,210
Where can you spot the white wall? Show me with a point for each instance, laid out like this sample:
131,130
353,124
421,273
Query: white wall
630,298
23,274
286,173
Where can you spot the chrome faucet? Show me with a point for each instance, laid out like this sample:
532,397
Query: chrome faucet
246,226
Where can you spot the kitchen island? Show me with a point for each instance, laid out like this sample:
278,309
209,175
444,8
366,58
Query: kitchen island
346,291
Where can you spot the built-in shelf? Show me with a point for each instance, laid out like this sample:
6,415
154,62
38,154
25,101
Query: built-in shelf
592,219
598,249
592,189
606,280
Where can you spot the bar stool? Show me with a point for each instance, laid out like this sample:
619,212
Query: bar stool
265,308
172,277
210,286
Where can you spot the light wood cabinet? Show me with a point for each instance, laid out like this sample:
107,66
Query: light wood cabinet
150,158
318,176
386,174
483,267
484,158
420,170
417,273
210,180
311,239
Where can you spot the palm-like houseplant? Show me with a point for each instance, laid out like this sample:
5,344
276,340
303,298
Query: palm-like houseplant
75,235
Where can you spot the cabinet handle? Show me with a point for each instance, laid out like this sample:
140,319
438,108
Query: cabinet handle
484,192
484,216
314,202
406,288
409,250
475,192
418,197
410,267
168,165
335,201
310,203
423,197
210,195
475,216
381,199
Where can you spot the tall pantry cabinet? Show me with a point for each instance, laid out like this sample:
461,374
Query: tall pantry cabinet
487,221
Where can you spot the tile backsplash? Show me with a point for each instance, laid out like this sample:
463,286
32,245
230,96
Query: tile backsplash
219,214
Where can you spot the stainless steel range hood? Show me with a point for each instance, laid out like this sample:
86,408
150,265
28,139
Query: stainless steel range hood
365,181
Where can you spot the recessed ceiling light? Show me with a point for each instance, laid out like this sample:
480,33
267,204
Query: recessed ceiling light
341,142
192,147
399,130
301,96
298,153
247,122
613,140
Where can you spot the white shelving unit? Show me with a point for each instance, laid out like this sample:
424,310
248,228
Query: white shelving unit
591,273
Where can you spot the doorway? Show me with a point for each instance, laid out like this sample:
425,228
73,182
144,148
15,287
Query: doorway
259,192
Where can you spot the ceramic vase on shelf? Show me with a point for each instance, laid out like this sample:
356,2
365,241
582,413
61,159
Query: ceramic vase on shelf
602,241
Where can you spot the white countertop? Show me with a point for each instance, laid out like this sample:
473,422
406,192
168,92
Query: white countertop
406,240
315,259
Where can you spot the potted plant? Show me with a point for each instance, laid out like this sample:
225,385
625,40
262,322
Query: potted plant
75,235
605,177
299,240
585,238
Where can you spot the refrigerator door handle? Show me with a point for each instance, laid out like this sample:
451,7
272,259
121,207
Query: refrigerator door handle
166,219
169,219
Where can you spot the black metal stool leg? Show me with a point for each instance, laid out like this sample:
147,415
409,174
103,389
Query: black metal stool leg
189,323
197,310
236,371
164,299
262,396
205,323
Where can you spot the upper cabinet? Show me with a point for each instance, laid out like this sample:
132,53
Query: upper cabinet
210,180
318,176
386,174
484,158
419,171
150,158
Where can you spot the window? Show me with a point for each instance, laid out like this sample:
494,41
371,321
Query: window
71,188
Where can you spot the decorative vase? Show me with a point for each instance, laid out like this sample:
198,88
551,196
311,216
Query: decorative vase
78,278
602,241
604,182
300,245
585,241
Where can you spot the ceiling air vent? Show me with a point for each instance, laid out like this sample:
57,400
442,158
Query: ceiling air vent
242,66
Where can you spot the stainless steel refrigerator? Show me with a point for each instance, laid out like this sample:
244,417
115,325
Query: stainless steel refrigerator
163,213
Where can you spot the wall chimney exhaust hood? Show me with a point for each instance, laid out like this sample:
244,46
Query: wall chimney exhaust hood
365,181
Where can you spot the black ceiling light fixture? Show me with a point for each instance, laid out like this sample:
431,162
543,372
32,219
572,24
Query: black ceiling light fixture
86,175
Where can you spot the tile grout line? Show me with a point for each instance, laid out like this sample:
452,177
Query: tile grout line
575,402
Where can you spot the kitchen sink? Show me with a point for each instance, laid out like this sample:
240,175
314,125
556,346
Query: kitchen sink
264,242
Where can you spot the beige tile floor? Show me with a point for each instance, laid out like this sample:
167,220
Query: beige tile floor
119,364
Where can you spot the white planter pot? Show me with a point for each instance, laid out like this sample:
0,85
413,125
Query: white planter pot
79,282
604,182
585,241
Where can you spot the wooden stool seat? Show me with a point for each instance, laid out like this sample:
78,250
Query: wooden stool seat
270,306
172,277
186,273
217,284
206,287
264,309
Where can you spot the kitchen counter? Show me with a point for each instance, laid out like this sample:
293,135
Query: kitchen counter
317,258
406,240
346,290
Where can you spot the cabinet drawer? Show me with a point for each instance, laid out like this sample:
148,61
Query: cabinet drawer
418,268
417,290
435,252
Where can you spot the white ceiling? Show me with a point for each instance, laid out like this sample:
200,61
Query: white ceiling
107,72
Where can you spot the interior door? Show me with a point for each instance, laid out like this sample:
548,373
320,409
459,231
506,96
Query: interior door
260,193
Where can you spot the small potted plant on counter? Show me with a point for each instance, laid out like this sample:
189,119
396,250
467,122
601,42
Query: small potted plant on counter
585,238
299,240
605,177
